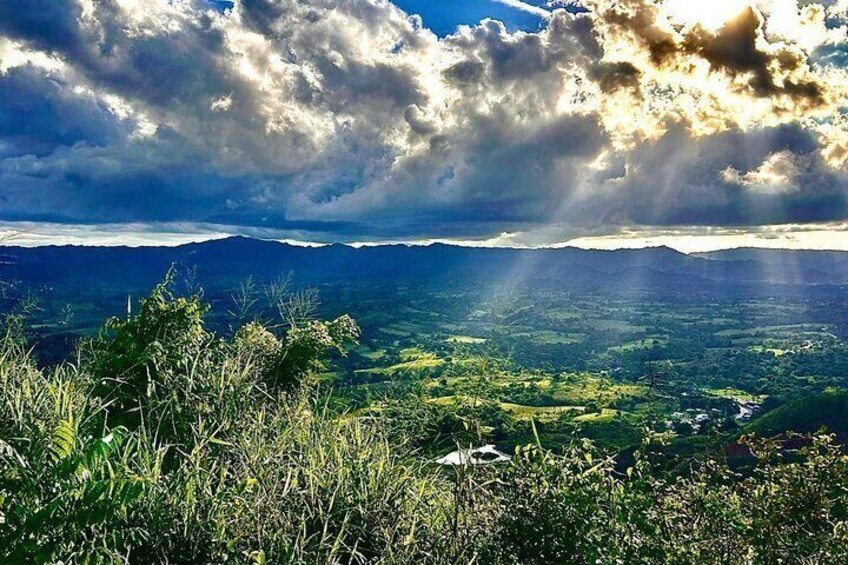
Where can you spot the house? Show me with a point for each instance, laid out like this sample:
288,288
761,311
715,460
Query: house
486,455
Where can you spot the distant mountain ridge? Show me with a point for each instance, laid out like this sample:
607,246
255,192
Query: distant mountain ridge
239,257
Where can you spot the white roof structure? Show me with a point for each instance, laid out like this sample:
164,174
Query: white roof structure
486,455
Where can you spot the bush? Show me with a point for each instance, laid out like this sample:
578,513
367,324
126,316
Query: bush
67,487
575,508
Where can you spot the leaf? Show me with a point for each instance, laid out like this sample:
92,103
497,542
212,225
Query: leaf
8,452
536,434
216,441
64,440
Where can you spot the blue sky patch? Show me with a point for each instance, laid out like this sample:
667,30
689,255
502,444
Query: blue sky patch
443,16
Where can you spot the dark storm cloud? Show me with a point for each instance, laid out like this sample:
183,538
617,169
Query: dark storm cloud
37,116
47,24
679,181
734,49
613,76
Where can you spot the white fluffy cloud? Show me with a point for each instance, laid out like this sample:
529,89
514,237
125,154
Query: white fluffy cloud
778,174
352,118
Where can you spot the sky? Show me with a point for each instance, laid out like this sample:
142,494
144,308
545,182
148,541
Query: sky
597,123
444,16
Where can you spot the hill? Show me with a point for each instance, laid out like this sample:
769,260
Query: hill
806,415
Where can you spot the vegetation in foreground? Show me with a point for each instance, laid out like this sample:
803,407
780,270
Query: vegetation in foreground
164,443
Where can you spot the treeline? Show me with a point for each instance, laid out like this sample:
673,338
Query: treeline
164,443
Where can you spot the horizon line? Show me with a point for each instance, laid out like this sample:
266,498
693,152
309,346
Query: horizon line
689,240
305,244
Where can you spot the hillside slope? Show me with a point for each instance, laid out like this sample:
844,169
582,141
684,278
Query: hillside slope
806,415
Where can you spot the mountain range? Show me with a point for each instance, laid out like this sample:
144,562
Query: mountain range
236,258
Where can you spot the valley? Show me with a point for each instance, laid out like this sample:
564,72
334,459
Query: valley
514,354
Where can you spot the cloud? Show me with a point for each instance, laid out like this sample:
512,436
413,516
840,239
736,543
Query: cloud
525,7
614,76
737,49
353,119
779,174
702,239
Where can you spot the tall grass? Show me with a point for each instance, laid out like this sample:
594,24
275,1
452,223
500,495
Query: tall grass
164,443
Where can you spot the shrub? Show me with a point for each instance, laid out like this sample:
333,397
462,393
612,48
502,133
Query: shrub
67,488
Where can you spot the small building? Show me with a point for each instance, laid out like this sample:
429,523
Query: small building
486,455
747,410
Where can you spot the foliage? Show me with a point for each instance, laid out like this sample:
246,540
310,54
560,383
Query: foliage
807,415
66,488
165,443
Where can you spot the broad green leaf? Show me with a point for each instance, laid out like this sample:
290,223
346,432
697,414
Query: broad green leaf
64,440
